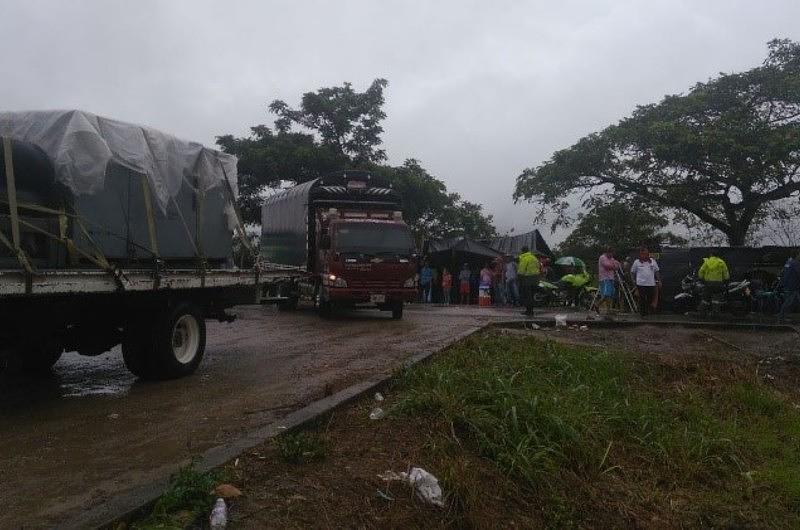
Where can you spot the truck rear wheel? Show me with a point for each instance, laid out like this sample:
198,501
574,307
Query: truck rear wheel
172,347
39,358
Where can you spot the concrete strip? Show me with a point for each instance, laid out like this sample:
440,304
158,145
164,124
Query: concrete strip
136,500
550,322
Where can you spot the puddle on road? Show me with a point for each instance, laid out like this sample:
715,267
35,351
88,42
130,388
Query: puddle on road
73,377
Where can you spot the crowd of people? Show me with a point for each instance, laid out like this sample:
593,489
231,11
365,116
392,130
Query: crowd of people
507,280
510,281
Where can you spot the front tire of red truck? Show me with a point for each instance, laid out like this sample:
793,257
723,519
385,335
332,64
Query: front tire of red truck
171,345
397,311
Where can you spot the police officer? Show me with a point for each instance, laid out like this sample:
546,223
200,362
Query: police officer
714,275
528,272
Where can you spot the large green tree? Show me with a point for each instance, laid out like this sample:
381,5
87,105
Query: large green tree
622,226
338,128
719,154
347,121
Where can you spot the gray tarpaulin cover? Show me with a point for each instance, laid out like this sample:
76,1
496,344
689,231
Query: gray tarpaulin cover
81,144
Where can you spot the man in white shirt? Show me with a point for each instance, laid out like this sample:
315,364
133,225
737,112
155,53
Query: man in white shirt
646,276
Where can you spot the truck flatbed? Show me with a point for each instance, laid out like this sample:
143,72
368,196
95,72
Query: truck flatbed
14,283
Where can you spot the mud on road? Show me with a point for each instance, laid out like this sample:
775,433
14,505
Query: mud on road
91,430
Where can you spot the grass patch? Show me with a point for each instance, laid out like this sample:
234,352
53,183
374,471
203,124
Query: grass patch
597,435
189,497
303,447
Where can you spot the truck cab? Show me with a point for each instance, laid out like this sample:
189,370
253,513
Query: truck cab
351,239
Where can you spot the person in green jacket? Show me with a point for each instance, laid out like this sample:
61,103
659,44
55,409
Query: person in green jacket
714,274
528,271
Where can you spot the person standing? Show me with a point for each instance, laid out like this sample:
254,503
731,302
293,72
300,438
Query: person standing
499,294
646,277
447,285
510,273
528,272
426,282
464,278
790,285
714,274
607,267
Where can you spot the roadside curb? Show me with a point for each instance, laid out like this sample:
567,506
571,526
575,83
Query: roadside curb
550,322
132,502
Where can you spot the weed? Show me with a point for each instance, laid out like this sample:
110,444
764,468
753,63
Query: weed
189,496
303,447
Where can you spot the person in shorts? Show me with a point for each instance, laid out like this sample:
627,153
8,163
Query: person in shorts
607,267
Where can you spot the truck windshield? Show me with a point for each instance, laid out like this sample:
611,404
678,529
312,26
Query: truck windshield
369,238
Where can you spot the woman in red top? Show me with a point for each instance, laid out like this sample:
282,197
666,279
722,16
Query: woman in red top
447,284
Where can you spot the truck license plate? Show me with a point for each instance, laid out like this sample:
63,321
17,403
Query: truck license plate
377,298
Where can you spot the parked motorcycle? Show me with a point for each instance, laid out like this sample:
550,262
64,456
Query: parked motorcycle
735,297
565,292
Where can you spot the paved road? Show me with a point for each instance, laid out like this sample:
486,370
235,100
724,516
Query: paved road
91,430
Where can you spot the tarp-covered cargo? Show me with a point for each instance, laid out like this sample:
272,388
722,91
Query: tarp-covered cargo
92,187
288,217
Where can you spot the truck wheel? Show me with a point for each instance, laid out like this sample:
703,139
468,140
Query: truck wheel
172,347
290,304
397,311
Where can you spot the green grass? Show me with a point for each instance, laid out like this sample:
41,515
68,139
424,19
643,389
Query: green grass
188,498
596,434
303,447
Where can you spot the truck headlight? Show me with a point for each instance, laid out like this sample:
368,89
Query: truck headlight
410,283
340,282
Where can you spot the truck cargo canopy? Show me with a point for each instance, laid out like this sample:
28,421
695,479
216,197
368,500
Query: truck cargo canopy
81,144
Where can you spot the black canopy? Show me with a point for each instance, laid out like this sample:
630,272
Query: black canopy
512,245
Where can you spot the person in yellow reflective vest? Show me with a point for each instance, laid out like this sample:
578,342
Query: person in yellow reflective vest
714,274
528,272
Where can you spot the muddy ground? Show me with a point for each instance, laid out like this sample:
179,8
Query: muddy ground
91,431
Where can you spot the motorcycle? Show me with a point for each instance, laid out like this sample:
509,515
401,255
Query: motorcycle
574,292
734,297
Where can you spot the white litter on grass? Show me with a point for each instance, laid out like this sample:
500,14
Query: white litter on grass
219,515
377,414
536,326
378,396
113,416
584,328
561,321
425,485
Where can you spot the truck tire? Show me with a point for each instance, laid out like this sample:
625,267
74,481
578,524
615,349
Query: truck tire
171,347
397,311
290,304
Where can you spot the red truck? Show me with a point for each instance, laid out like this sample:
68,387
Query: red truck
346,232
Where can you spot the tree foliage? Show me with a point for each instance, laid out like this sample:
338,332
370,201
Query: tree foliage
620,225
347,121
340,129
719,154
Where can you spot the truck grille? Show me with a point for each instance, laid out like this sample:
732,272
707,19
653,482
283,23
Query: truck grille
373,284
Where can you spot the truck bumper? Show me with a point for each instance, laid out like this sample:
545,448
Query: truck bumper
372,295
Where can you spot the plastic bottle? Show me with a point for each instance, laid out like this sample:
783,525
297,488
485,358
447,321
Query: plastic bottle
219,515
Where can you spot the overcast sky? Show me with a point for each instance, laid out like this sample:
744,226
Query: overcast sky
477,90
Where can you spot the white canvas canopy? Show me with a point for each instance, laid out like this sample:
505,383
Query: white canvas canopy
81,144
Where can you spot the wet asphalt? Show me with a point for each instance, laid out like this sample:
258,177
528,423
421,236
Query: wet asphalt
91,430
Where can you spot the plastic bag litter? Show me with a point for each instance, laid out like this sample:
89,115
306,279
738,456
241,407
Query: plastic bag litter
535,326
219,515
561,321
426,486
584,328
378,396
377,414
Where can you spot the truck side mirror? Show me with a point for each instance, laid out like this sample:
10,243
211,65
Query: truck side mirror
325,242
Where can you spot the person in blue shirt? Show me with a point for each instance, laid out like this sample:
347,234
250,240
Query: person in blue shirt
790,285
426,282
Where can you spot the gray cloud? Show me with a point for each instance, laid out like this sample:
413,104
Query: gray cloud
478,90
